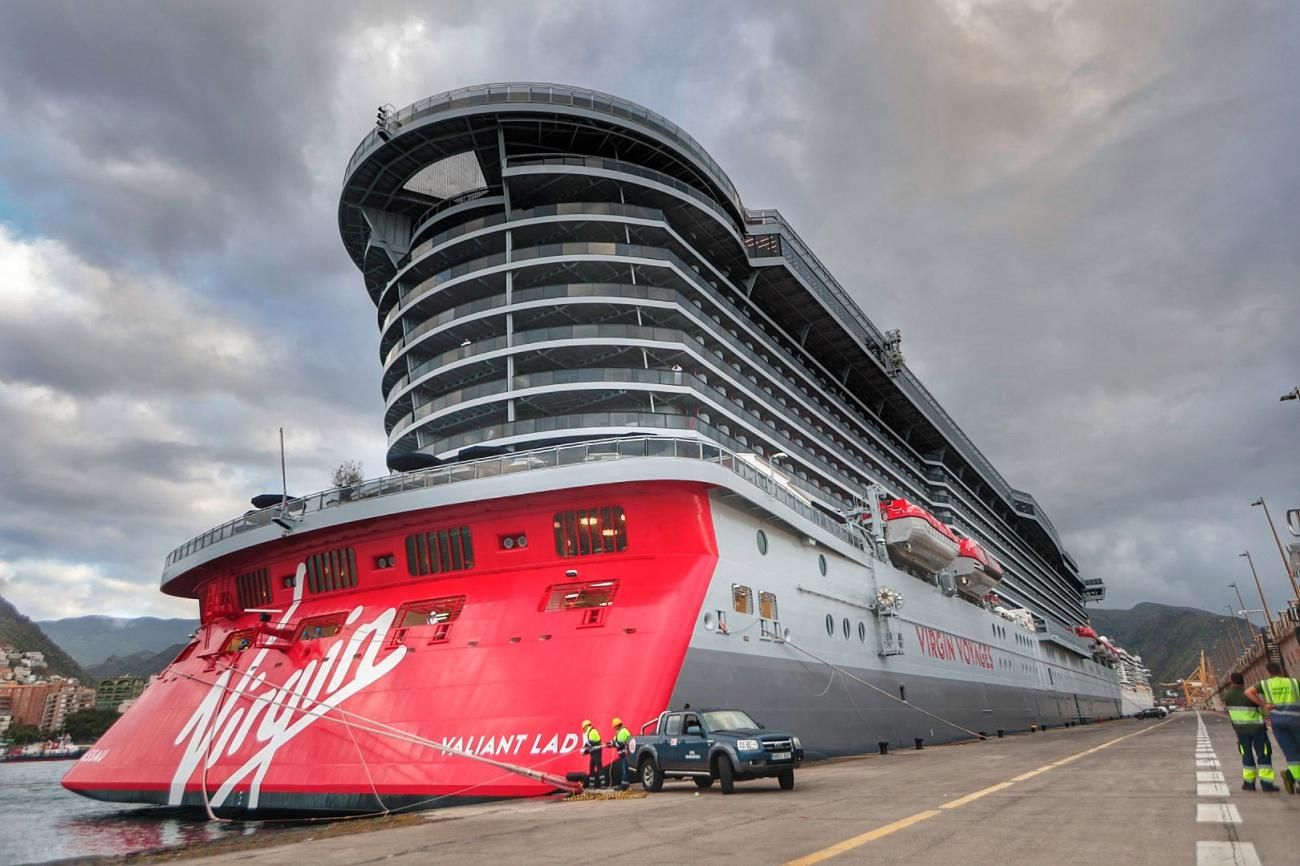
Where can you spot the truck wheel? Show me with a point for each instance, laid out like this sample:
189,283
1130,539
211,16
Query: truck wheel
652,778
704,781
726,775
786,778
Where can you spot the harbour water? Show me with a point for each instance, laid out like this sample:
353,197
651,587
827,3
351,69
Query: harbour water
40,821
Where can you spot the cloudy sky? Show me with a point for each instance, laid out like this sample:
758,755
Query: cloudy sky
1083,216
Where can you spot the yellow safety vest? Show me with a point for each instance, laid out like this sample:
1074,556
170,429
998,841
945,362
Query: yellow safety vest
1241,710
593,736
1280,690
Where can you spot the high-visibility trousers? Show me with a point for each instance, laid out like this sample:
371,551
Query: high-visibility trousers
1256,756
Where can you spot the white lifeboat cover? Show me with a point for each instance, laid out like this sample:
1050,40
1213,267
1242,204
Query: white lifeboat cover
917,535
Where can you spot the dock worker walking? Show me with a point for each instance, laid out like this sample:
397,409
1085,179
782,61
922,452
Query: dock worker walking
1280,697
622,744
592,745
1252,736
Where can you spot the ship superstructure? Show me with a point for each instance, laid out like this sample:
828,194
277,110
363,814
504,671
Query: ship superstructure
646,451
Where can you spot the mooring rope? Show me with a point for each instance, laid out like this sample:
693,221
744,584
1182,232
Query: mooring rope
892,697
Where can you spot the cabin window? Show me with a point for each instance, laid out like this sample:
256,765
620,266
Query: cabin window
320,627
332,570
590,531
253,588
830,625
427,621
767,605
821,563
761,540
742,598
574,596
862,632
439,551
846,628
673,727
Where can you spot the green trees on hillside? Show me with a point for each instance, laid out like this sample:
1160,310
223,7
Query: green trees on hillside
86,726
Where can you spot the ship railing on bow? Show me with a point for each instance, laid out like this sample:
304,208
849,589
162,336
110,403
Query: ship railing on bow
628,448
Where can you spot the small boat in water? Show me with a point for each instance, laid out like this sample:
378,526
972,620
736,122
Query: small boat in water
62,749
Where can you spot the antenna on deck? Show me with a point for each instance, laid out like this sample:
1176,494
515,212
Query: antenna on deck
283,520
284,478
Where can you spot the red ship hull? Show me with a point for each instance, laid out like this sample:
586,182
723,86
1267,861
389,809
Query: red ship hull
255,716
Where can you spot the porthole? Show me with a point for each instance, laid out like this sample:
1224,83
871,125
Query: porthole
821,563
762,542
846,628
862,632
830,625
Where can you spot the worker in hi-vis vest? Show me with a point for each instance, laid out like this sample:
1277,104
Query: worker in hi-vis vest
592,745
1252,736
1280,697
621,744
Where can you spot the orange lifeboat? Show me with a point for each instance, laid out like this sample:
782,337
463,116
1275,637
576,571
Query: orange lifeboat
916,537
976,570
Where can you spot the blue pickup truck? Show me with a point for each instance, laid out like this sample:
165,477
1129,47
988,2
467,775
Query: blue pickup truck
703,745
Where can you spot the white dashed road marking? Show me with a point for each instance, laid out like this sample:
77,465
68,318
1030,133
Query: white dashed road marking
1226,854
1209,776
1217,813
1211,789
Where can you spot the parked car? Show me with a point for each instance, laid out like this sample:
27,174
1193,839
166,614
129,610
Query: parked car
723,744
1151,713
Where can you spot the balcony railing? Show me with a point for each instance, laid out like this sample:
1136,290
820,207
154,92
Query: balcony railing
538,93
625,168
530,461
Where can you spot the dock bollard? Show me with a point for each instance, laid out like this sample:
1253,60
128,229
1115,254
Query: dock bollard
983,736
884,747
1033,729
1001,733
919,742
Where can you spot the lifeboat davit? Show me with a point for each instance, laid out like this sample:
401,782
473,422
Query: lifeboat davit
977,571
916,537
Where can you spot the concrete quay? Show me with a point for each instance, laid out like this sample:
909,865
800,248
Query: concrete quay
1127,792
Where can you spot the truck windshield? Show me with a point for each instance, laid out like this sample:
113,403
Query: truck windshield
728,720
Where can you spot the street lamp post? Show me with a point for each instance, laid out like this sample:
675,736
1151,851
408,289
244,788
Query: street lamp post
1235,629
1254,635
1268,615
1295,587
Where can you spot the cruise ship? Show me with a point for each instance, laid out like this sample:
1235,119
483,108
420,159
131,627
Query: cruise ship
645,452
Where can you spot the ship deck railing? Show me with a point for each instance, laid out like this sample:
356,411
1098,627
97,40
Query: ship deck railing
543,93
550,457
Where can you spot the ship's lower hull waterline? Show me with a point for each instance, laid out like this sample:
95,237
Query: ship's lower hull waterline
349,721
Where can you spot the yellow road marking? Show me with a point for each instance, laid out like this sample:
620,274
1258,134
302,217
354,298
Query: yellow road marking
962,801
850,844
903,823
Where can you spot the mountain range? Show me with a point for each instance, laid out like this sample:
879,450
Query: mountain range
92,640
140,664
1168,638
26,635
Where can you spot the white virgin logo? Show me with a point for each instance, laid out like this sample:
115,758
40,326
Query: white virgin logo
224,719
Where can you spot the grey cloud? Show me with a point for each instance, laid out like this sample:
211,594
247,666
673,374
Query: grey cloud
1081,214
